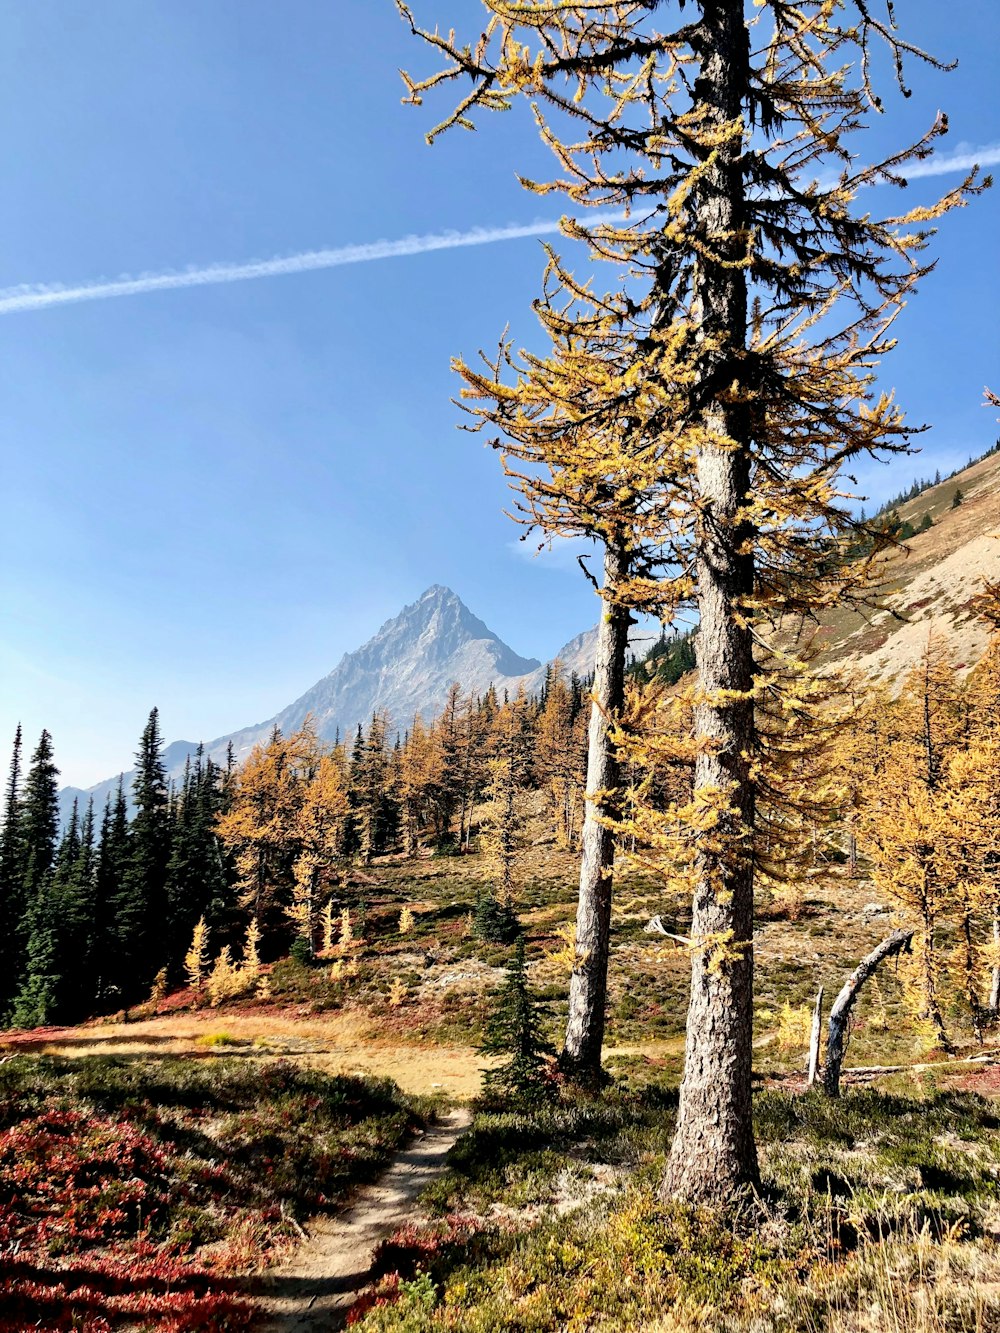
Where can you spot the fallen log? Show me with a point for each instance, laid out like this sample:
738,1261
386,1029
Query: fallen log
875,1071
898,942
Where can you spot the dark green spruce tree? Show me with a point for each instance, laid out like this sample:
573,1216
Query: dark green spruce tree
11,881
73,894
199,875
58,983
514,1032
141,908
109,979
38,978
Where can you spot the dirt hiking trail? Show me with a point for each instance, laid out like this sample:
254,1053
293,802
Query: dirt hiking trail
319,1282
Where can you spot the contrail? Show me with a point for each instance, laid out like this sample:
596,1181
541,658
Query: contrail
962,160
14,300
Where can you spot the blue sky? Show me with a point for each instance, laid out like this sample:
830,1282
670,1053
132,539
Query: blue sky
212,493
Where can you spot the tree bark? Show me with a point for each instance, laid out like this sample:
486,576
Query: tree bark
969,966
814,1033
713,1156
588,987
899,941
929,951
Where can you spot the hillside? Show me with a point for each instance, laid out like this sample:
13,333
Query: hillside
927,587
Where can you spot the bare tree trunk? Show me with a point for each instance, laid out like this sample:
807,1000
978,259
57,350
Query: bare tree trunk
969,961
929,958
995,973
588,987
713,1156
899,941
814,1034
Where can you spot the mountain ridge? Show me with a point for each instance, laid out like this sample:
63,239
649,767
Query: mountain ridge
405,668
412,659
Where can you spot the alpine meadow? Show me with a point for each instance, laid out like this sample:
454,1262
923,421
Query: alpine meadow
651,983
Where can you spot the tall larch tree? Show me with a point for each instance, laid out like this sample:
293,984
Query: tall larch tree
971,846
984,707
257,828
726,140
319,840
504,817
424,797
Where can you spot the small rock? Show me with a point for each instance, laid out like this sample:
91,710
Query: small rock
874,909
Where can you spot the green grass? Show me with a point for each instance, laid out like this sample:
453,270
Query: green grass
877,1212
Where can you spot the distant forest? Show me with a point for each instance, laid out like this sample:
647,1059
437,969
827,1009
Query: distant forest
96,915
922,484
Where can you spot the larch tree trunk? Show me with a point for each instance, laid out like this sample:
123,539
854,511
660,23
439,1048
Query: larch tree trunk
713,1156
899,941
812,1069
588,987
932,1000
970,967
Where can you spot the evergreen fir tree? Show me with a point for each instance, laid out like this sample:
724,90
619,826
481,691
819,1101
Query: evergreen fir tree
375,809
80,904
59,981
40,817
352,835
38,981
11,879
108,973
514,1032
38,992
141,905
199,878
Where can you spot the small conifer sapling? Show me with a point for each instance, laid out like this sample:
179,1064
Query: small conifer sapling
514,1033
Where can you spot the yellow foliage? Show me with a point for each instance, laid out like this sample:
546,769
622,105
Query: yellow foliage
196,958
326,925
224,980
504,813
406,921
794,1027
288,808
347,940
160,987
250,962
564,957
